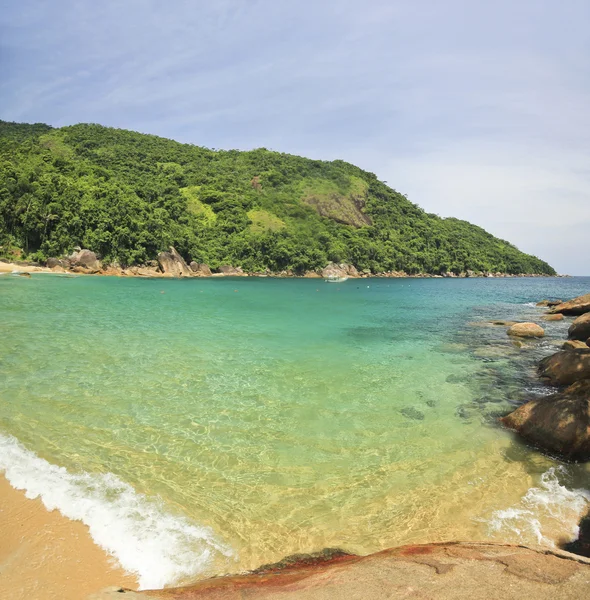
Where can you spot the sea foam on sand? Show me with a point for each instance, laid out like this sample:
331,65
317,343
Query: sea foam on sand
545,513
158,547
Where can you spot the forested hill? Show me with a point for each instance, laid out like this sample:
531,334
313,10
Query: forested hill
127,196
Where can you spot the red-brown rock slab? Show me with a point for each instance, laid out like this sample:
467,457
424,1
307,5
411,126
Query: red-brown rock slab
444,571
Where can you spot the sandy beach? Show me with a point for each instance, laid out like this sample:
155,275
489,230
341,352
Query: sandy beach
44,556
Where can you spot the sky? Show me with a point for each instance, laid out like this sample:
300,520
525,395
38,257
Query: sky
476,110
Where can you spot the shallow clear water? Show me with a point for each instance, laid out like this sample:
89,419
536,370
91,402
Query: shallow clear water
213,425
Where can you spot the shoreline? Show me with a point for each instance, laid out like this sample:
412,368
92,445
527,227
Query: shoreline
46,556
145,272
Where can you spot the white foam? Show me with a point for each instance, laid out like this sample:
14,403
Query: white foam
545,513
158,547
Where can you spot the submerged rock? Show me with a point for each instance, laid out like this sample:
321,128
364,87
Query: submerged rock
577,306
565,367
580,328
559,423
527,330
412,413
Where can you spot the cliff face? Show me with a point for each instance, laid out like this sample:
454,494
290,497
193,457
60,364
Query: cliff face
128,196
470,571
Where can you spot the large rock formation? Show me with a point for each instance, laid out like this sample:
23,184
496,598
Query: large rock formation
333,270
83,260
445,571
526,330
577,306
580,328
559,424
565,367
172,264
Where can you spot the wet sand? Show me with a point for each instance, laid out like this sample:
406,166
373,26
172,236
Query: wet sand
44,556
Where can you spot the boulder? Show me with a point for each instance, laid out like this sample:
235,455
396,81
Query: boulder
581,545
577,306
351,270
565,367
85,259
576,345
172,264
232,271
580,328
54,262
200,269
555,317
311,275
549,303
332,270
559,424
526,330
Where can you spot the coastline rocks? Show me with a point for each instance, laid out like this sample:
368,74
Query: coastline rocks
441,571
54,262
580,328
576,345
549,303
231,271
311,275
141,272
332,270
559,423
172,264
200,269
555,317
577,306
82,261
526,330
565,367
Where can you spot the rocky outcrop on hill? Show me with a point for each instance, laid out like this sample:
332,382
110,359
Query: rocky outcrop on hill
577,306
173,265
444,571
559,423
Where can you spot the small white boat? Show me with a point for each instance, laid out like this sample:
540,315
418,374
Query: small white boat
336,279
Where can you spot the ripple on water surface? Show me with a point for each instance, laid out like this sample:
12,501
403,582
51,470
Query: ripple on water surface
282,417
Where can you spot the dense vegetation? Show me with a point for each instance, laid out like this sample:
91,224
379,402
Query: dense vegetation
128,196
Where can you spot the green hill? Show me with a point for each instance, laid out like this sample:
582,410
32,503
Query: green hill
128,196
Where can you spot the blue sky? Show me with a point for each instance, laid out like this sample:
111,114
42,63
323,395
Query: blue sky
479,110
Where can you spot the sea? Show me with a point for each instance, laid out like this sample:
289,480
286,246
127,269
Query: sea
208,426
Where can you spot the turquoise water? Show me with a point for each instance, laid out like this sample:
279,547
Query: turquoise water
211,425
